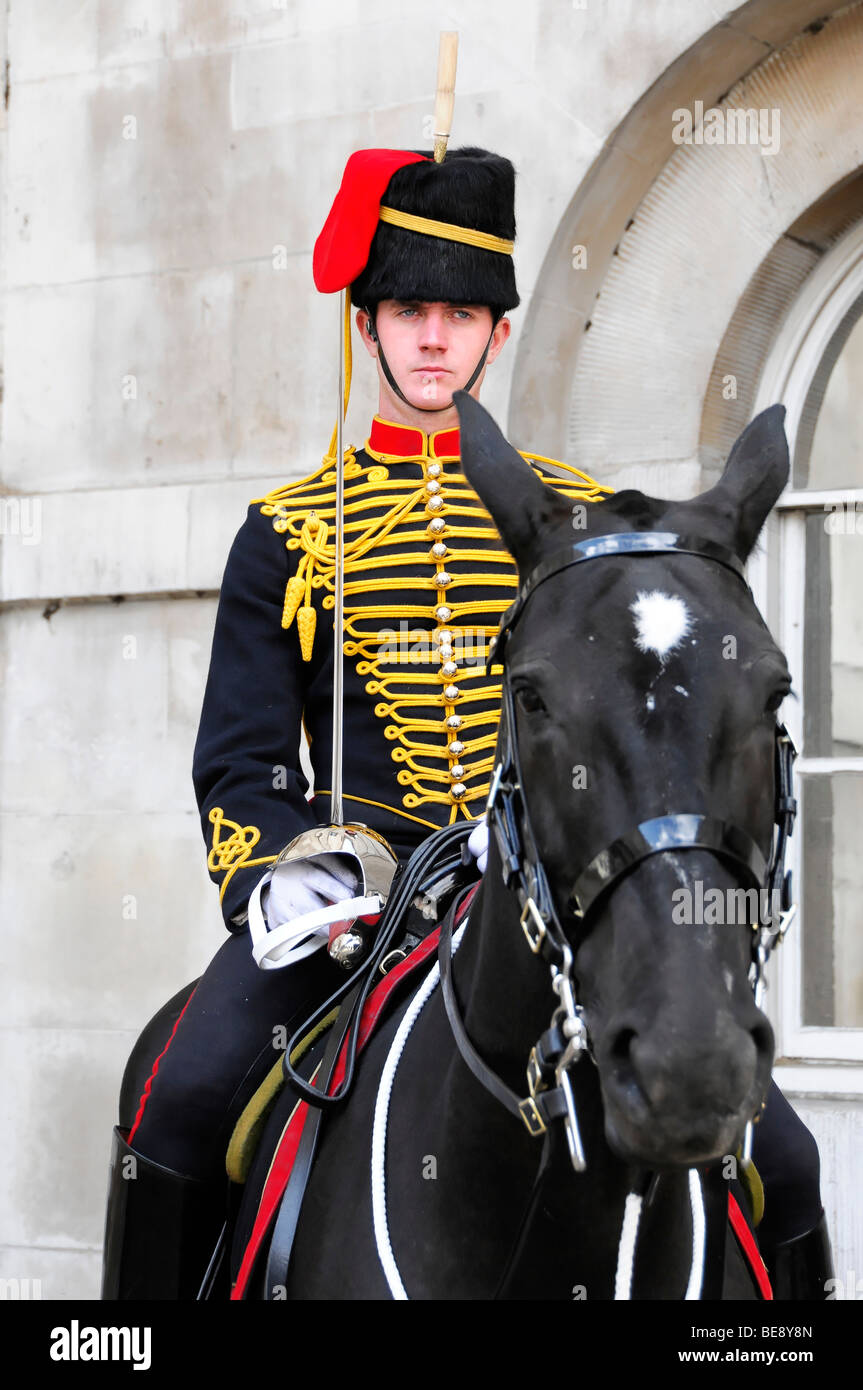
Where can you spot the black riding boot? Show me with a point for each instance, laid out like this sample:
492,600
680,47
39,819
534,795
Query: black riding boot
799,1269
161,1228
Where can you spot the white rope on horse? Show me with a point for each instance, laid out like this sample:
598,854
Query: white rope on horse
699,1233
626,1247
379,1132
632,1208
629,1237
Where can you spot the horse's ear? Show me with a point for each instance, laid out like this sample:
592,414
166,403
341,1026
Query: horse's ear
520,504
754,476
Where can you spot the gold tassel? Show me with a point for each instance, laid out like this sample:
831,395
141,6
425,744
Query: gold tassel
296,587
306,625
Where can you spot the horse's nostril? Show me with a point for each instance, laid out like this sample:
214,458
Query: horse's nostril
621,1047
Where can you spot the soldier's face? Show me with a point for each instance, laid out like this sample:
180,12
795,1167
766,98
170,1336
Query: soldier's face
433,349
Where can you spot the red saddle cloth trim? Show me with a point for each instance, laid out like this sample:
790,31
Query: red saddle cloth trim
746,1240
283,1162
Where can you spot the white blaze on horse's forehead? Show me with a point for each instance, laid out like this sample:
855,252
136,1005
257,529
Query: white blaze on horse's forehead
661,622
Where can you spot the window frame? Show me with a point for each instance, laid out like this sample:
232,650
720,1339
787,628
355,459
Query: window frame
821,1060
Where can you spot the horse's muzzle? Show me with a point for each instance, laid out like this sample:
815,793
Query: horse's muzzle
672,1098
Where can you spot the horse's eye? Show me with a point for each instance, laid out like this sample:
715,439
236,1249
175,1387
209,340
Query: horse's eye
529,700
776,700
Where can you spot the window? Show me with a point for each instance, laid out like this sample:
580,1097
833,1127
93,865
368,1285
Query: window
808,579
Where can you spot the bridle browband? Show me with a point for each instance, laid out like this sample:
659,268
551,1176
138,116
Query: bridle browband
550,1090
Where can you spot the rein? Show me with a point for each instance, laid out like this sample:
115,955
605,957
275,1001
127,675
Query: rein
550,1094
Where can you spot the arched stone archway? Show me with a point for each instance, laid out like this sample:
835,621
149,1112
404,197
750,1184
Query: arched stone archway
694,252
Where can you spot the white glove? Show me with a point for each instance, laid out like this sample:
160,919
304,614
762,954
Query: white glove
478,843
304,885
301,901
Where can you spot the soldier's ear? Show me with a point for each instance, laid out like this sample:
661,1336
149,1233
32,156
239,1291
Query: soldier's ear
368,334
502,330
520,504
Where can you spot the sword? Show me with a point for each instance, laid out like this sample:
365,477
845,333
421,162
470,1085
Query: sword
339,576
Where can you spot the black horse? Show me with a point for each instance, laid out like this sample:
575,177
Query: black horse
641,690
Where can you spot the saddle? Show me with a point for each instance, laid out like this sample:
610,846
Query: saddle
320,1060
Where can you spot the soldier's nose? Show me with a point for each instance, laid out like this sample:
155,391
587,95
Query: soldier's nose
433,330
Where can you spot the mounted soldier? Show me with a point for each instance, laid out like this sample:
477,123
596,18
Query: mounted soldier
393,543
426,248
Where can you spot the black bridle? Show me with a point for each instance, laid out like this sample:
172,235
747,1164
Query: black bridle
562,1044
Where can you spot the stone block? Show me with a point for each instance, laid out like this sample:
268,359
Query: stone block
58,1099
119,384
34,1274
111,727
599,59
49,42
105,919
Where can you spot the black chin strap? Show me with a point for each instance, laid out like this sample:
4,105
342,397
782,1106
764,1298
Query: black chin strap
428,409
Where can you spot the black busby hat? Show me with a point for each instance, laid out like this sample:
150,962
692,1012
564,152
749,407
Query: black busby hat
471,190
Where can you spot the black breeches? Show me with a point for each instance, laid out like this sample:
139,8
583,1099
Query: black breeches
232,1031
786,1156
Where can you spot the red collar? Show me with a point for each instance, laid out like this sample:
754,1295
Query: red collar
405,441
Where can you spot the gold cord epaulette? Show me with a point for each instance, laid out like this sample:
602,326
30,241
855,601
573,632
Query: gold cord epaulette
438,515
588,488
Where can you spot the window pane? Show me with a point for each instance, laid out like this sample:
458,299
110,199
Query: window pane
833,637
829,450
832,893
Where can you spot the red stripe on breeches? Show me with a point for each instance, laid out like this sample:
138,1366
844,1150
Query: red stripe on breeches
145,1094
